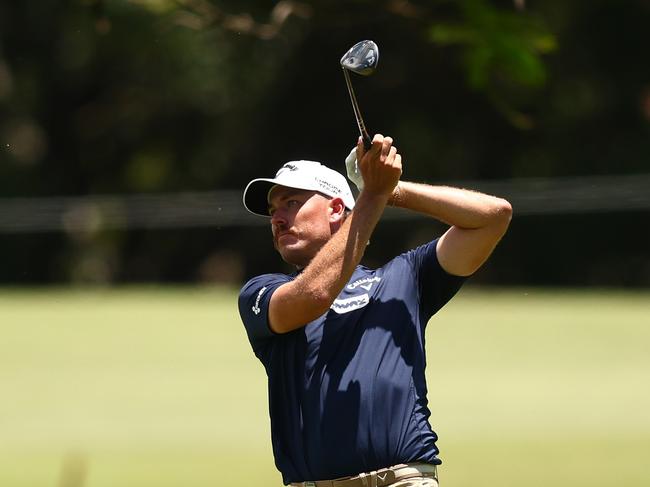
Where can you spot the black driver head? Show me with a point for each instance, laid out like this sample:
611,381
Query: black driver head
362,58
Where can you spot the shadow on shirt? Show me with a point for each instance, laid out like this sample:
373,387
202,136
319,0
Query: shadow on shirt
364,406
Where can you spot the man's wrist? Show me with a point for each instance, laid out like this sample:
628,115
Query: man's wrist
394,198
374,197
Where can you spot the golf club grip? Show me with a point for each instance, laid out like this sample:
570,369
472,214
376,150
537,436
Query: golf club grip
367,142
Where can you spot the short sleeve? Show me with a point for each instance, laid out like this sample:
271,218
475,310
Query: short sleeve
254,300
436,285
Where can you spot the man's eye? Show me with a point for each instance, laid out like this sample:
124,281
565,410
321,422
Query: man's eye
291,203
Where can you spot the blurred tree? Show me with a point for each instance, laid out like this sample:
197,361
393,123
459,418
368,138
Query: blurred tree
131,96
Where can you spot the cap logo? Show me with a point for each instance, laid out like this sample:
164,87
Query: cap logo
328,186
286,167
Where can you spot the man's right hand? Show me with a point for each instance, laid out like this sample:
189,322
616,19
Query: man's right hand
381,166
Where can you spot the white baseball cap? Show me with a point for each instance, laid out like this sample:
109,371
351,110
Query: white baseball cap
309,175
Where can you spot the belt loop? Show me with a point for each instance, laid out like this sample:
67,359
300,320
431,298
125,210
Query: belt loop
364,481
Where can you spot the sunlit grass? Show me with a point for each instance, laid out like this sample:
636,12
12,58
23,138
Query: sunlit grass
158,387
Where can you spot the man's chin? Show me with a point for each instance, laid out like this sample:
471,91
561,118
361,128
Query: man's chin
285,240
293,256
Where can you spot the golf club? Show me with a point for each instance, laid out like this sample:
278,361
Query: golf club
362,58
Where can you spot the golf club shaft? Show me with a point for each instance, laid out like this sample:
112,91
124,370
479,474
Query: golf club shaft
367,141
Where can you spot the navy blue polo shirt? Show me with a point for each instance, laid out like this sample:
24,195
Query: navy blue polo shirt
347,392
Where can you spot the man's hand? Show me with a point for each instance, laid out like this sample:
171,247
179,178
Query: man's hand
380,167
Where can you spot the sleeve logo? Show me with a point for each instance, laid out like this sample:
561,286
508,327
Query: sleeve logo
256,307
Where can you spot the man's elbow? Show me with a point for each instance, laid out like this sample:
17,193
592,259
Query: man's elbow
501,214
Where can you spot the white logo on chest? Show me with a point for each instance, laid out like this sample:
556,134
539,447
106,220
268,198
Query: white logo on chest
365,283
346,305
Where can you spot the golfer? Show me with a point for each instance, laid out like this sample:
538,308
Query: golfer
342,344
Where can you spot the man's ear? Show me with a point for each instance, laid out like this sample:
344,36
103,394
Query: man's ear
336,210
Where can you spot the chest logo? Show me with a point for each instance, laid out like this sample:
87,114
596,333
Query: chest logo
346,305
365,283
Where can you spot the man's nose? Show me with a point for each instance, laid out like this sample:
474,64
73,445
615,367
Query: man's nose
278,218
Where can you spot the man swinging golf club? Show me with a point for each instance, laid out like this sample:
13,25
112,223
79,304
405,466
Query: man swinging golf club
342,344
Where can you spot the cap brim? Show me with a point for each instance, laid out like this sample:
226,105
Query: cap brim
257,191
256,196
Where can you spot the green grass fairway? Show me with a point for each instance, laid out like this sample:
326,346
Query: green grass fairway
144,387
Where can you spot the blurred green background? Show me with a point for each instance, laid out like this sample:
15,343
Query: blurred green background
128,129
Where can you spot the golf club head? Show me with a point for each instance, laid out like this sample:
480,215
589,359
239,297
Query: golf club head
362,58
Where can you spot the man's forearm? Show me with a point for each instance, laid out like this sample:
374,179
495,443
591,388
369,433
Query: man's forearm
314,290
299,302
331,268
477,222
453,206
